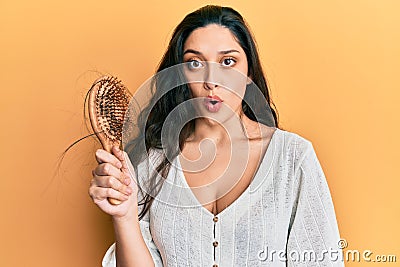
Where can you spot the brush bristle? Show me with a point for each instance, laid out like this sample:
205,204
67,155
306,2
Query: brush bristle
112,102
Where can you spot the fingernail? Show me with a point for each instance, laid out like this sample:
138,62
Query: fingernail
129,190
127,181
119,165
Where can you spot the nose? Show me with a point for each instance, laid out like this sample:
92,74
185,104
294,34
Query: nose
211,77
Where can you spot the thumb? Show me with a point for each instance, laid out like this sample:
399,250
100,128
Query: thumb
127,167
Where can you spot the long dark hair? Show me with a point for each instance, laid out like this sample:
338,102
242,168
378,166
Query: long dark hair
151,119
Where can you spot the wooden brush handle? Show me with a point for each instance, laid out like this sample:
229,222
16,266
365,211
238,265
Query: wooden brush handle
114,201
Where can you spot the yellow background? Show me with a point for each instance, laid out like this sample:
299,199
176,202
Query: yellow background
333,69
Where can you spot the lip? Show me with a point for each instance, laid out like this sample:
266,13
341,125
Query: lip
215,97
213,103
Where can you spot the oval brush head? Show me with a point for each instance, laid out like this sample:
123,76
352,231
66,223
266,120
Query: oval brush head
107,105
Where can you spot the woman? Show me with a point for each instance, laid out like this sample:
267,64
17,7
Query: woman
226,187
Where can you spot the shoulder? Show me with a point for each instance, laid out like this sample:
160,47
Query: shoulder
292,148
293,142
303,156
149,163
152,157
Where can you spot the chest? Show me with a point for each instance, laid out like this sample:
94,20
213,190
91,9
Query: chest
217,179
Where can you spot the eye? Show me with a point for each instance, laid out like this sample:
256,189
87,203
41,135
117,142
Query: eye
194,64
228,62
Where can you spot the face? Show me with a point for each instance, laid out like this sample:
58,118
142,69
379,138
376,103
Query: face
216,70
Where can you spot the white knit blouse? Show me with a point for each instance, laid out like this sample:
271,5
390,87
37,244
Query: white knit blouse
284,218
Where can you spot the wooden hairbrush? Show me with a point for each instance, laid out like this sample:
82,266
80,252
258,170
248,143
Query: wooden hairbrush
107,105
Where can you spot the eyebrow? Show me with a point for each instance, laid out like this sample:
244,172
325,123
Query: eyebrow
219,52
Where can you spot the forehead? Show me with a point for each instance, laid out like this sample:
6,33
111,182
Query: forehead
211,38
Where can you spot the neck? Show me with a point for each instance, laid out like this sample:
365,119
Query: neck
218,132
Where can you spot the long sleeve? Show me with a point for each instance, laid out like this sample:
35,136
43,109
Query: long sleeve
313,233
145,229
109,259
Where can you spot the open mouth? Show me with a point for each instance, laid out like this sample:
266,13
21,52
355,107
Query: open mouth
213,103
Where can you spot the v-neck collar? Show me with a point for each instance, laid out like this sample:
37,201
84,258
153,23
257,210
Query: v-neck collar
262,172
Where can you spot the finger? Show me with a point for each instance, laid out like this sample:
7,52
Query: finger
127,167
107,169
103,156
111,182
99,194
